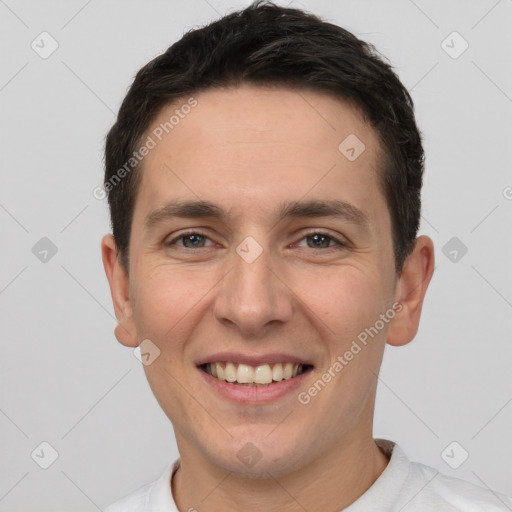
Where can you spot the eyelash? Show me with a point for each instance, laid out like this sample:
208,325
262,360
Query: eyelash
340,244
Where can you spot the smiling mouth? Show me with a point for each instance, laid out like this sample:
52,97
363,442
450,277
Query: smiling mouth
247,375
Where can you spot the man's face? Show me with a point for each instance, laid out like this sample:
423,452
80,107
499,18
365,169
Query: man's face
251,287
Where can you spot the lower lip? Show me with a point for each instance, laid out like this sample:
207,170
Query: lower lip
254,394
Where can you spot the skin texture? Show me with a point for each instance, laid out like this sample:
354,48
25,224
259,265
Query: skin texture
249,149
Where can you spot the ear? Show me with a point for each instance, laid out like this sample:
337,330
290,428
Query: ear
410,292
118,280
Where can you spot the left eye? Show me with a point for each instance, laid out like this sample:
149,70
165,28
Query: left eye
195,240
319,240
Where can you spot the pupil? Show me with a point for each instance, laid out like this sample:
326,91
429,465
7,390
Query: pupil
192,237
317,238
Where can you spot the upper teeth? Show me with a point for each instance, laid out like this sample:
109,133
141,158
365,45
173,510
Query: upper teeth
246,374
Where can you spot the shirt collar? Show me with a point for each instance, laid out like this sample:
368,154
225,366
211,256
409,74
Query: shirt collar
160,497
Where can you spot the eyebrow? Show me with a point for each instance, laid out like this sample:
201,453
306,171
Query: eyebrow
294,209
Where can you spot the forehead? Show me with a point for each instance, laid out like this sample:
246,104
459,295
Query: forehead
242,144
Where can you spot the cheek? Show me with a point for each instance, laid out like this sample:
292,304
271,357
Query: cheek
346,299
164,298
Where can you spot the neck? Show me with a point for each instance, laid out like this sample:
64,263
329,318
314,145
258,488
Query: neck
332,481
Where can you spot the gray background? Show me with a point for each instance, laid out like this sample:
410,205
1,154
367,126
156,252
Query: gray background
65,380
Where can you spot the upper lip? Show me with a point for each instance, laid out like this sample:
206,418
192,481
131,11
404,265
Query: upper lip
252,359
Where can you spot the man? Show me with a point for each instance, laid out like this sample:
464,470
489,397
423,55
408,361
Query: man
264,179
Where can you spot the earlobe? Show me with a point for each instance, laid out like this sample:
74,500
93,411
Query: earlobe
410,292
118,280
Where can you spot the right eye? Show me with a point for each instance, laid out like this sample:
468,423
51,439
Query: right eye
192,239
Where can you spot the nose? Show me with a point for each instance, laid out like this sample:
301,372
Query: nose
253,295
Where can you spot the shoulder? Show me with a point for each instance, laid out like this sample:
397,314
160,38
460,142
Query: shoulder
133,502
414,487
152,497
430,487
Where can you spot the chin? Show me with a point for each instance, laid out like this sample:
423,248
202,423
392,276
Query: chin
260,456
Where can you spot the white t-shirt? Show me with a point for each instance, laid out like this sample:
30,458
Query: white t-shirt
403,486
